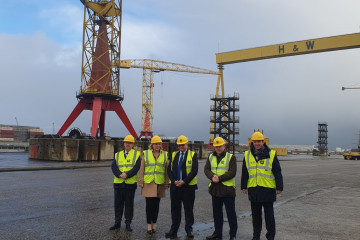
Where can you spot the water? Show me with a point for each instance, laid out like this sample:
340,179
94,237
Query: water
12,160
21,160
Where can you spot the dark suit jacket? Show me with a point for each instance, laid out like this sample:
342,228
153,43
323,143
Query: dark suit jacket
172,171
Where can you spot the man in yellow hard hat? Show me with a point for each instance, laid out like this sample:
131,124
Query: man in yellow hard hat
261,179
220,168
182,172
125,167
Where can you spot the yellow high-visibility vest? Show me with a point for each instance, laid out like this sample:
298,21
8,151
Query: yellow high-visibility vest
260,172
154,169
189,163
126,164
221,168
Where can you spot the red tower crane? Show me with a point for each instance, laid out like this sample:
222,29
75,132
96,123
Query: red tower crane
100,78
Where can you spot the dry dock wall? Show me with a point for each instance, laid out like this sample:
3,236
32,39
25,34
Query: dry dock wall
91,149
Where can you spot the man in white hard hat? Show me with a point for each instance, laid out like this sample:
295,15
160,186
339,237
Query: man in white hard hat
182,172
261,179
125,167
220,168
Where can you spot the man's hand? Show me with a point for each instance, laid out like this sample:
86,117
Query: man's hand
141,185
123,175
278,191
245,191
215,179
179,183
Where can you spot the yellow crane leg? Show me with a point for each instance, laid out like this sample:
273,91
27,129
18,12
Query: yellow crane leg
220,81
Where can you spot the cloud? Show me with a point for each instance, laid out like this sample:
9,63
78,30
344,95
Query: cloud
148,39
64,22
36,84
285,97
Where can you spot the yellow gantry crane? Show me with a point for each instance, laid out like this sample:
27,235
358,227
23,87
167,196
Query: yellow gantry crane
317,45
326,44
153,66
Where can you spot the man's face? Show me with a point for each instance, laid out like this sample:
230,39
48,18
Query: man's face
183,147
258,144
128,146
219,149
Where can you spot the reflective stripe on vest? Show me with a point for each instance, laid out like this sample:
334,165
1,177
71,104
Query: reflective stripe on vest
189,163
126,164
154,169
260,172
221,168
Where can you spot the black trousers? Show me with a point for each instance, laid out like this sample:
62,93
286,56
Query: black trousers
124,197
217,205
256,209
152,209
187,198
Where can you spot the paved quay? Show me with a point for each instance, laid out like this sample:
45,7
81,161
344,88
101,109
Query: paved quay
321,200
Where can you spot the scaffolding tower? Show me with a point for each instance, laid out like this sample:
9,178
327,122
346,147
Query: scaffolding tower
224,119
322,138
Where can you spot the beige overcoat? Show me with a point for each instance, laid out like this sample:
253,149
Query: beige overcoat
152,189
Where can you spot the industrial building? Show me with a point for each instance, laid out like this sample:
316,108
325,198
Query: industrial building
15,138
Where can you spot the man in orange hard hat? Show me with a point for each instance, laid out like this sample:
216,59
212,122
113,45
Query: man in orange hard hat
261,179
182,172
220,168
125,167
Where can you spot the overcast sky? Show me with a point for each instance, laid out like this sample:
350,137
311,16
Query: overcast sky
40,55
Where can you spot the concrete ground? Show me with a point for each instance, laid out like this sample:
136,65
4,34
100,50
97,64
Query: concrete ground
321,200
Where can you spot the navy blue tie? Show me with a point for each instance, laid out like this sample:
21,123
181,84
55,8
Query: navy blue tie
181,159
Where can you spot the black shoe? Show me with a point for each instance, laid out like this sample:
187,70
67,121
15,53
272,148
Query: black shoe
255,238
115,226
149,232
153,230
128,228
189,235
171,235
232,238
214,237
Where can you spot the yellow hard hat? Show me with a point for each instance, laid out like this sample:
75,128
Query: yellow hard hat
257,136
129,138
181,140
156,139
219,141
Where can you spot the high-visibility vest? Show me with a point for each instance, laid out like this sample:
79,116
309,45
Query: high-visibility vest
189,163
221,168
154,169
260,172
126,164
